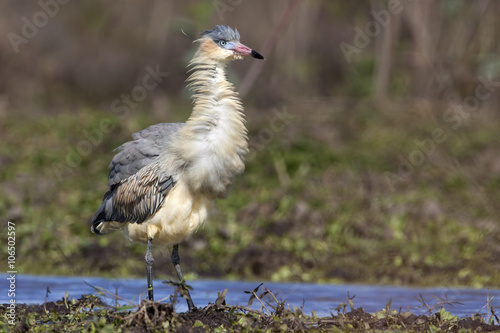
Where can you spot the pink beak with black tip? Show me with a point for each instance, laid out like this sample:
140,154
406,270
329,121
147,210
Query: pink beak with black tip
246,51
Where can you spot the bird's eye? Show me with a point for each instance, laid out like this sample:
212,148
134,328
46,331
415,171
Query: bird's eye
222,43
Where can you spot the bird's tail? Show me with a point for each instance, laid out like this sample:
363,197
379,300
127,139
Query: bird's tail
106,218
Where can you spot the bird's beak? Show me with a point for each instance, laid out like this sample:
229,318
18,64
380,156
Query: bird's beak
245,51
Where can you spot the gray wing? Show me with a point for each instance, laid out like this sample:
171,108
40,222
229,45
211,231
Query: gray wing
143,150
137,189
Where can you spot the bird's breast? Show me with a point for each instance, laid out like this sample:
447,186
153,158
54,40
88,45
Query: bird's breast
215,157
180,216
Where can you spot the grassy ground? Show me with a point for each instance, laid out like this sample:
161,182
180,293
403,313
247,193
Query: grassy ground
326,196
90,314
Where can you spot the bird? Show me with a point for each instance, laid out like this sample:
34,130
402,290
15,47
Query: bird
164,181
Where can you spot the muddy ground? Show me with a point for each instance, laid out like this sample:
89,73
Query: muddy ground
90,314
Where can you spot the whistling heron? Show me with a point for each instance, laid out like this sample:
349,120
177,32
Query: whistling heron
163,183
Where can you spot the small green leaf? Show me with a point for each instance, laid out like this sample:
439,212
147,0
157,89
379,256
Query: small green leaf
380,314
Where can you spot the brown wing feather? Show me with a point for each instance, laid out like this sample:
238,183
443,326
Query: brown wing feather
141,195
135,198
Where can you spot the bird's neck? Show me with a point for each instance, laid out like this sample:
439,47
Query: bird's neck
214,140
212,94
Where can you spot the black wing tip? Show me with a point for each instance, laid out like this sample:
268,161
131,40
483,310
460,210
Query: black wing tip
95,231
100,215
96,220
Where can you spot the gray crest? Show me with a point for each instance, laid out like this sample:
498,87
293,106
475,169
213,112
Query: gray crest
222,32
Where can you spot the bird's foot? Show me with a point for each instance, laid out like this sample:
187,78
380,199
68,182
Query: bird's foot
183,289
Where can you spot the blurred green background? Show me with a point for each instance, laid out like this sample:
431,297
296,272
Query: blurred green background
373,126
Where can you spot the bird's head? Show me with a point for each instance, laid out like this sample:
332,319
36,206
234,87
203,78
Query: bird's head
222,44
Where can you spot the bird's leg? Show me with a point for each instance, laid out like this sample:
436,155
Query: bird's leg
149,269
176,261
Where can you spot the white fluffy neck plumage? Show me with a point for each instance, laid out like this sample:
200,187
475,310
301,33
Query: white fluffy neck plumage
213,143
